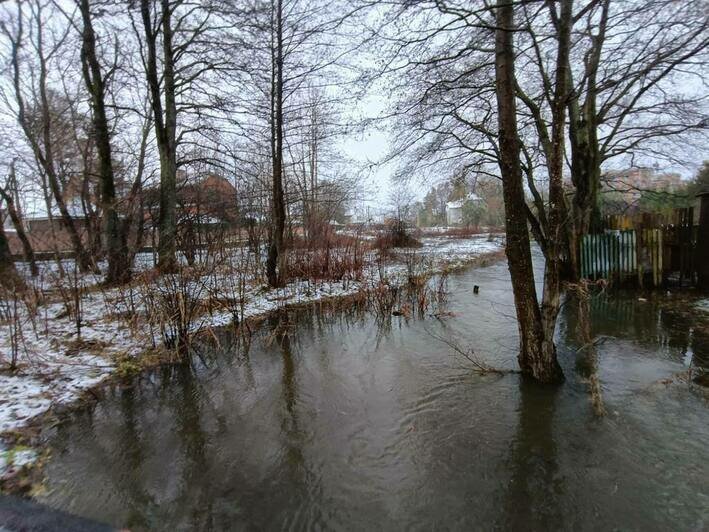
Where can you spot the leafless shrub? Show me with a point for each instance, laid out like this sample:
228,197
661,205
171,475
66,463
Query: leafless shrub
419,272
228,288
384,296
11,315
442,288
173,305
328,257
70,288
396,235
126,304
18,309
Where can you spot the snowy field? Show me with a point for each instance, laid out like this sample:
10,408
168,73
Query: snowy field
54,369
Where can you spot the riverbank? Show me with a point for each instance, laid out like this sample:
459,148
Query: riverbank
58,364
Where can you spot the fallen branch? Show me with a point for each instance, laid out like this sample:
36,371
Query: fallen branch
479,366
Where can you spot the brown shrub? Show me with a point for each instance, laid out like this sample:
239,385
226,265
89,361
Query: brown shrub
396,235
330,256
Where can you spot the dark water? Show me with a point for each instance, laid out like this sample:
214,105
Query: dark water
346,422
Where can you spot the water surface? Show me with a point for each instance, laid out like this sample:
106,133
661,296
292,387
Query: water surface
339,420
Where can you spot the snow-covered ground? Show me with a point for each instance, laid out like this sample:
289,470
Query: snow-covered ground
458,249
54,368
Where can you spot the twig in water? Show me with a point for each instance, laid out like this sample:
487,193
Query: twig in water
479,366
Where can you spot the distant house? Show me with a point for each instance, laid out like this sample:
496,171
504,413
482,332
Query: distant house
454,209
206,202
629,184
210,200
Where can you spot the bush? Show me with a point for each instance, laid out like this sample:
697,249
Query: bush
396,235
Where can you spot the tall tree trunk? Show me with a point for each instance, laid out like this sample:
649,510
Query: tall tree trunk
168,173
133,225
585,149
532,358
275,263
586,177
165,130
556,219
16,219
115,242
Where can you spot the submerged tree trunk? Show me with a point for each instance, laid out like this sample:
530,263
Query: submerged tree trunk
275,263
534,351
556,218
115,242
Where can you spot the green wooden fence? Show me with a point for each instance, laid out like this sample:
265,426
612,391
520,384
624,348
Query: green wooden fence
611,255
649,247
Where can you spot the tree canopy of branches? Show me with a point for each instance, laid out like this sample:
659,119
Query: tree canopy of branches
592,81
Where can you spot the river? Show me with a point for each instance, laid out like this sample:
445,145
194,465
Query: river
337,419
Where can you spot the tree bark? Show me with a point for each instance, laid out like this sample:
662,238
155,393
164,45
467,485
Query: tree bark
165,130
585,150
532,359
115,242
557,221
275,263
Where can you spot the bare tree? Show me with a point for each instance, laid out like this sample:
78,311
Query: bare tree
38,130
115,238
301,42
275,264
532,356
626,62
439,67
164,107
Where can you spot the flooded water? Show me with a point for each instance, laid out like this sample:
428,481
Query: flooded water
348,422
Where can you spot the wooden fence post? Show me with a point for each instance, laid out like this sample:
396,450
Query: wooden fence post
702,254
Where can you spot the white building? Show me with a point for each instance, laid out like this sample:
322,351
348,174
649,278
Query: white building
454,209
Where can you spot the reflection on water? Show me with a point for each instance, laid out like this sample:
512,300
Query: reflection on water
333,419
